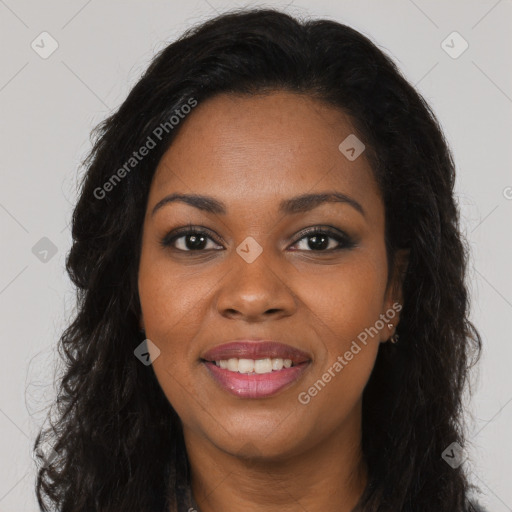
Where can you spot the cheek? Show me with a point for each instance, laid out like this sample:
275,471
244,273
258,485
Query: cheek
346,307
171,296
346,300
173,303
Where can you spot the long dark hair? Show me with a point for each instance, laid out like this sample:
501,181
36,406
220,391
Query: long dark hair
113,431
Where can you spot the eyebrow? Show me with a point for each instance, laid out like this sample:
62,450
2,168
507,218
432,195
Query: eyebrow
298,204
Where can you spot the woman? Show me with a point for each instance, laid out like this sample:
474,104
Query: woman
272,310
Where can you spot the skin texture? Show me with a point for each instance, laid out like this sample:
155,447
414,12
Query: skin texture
251,152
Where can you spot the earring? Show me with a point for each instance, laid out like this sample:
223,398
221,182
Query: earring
394,338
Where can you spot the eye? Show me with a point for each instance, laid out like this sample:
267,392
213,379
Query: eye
189,240
317,239
320,239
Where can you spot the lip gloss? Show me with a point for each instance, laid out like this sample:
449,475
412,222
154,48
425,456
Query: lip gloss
254,385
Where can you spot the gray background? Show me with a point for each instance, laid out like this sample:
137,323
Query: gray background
48,107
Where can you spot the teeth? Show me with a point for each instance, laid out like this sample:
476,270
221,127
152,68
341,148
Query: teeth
266,365
232,365
277,364
245,365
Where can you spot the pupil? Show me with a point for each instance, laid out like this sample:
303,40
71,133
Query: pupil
319,242
197,241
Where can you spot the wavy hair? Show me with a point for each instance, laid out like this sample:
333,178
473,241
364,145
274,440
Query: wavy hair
111,427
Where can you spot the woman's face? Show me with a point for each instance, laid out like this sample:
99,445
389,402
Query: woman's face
255,274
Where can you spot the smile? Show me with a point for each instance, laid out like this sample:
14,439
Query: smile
266,365
260,378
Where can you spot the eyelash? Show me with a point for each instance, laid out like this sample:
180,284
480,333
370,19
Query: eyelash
344,241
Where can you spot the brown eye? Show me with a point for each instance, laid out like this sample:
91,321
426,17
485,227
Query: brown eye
189,240
323,240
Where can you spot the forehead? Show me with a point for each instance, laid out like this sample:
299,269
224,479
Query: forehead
240,147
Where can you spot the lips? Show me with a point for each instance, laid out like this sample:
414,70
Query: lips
254,385
256,349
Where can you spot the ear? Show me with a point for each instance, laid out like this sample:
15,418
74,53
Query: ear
394,293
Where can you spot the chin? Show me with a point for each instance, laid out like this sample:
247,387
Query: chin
258,441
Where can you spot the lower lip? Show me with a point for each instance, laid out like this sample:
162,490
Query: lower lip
256,385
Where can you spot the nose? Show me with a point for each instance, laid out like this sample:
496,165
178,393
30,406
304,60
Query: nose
255,291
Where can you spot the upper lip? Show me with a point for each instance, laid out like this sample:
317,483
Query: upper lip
255,349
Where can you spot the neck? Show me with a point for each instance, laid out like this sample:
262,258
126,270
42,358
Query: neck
330,476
